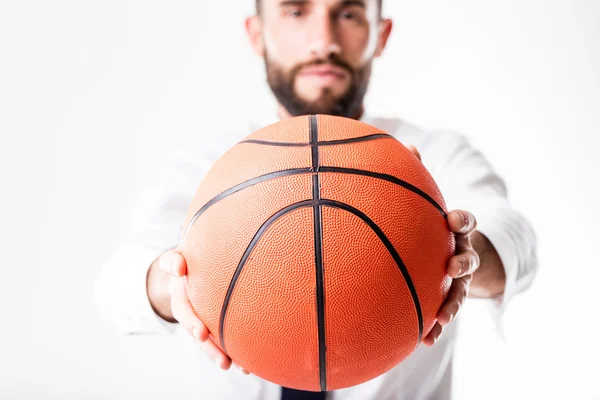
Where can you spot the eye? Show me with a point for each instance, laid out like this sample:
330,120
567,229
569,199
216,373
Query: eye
347,15
295,12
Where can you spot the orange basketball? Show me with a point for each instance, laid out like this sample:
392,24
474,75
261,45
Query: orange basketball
317,250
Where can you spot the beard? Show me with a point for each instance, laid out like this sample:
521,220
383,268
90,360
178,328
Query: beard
347,104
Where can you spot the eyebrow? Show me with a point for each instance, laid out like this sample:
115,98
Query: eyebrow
292,3
345,3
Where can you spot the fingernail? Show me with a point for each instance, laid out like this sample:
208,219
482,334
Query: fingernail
172,267
461,270
451,317
195,332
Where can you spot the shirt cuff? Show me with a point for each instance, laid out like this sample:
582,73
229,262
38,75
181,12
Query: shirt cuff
493,226
121,295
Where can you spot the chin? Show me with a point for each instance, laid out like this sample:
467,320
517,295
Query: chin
321,94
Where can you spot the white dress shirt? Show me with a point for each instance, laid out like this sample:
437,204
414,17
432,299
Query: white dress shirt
466,181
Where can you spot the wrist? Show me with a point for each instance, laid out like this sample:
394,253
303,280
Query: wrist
489,280
157,289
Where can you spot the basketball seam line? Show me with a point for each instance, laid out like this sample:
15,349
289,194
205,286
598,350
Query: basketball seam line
299,171
310,203
255,239
318,247
321,143
243,185
393,252
389,178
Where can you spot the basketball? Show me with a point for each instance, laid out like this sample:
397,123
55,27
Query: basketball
317,250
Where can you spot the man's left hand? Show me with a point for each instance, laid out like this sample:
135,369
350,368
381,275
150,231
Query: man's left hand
461,267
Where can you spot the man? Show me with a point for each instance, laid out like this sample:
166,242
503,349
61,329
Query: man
318,56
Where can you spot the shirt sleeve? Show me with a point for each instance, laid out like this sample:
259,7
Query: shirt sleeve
155,226
468,182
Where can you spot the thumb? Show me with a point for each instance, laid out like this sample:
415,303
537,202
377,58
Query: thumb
173,263
414,150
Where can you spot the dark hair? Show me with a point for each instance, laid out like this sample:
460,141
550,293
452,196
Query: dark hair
380,3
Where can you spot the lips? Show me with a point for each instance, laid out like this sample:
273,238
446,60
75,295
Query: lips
325,71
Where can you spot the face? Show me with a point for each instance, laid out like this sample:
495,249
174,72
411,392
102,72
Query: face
318,53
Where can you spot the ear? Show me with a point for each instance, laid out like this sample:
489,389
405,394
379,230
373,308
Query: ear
385,29
254,31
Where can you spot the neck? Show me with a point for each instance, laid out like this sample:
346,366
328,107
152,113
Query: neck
283,114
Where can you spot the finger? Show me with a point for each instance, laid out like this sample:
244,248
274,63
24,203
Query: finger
461,221
454,301
414,150
184,313
173,263
463,242
464,263
433,335
215,354
242,369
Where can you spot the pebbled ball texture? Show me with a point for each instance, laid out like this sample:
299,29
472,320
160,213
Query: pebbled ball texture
312,249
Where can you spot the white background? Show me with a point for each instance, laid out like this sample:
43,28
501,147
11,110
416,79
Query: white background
94,93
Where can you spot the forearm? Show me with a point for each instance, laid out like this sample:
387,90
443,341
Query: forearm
157,287
489,280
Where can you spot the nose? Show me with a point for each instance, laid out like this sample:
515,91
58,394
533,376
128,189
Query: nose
324,38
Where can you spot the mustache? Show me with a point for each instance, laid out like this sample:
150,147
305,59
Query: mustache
332,59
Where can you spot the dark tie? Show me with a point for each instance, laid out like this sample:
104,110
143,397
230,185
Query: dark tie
293,394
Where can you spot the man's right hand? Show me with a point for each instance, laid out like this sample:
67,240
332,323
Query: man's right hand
169,299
